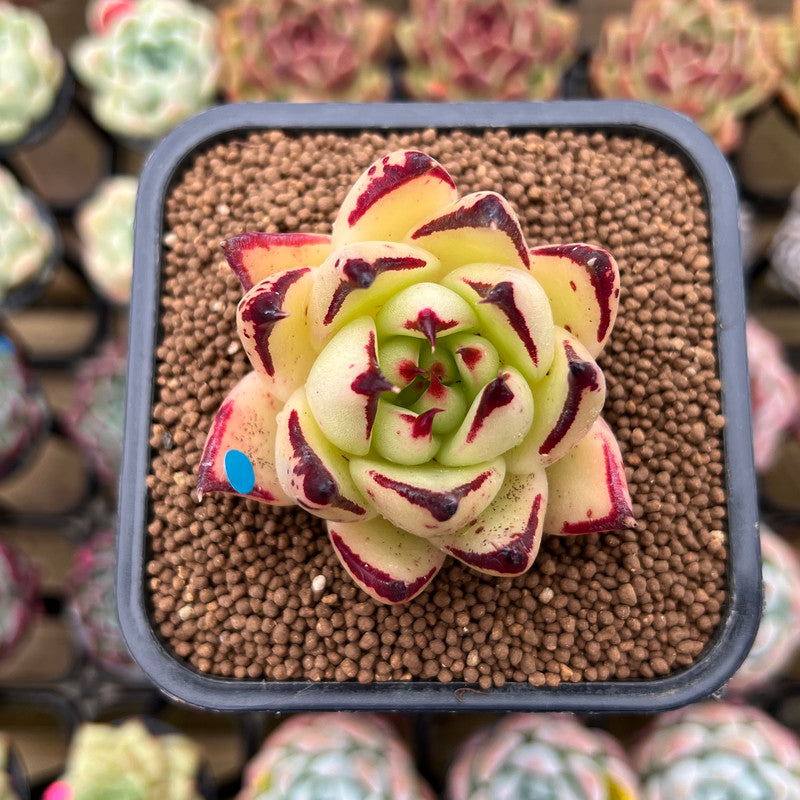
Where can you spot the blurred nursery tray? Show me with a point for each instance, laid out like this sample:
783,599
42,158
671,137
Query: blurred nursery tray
215,596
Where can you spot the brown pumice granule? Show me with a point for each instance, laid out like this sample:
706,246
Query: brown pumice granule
251,592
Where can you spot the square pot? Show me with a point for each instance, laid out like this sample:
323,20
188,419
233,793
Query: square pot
640,621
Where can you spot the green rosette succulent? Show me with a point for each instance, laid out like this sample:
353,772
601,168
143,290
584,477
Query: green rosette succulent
32,71
303,50
704,58
338,755
718,750
783,42
154,66
127,762
105,227
542,756
486,49
423,381
28,241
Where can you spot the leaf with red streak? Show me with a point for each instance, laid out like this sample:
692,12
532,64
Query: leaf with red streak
476,359
513,311
477,227
311,470
588,489
582,283
425,311
428,500
255,256
344,385
450,399
404,437
386,562
393,196
505,538
245,422
497,420
357,279
271,319
567,401
399,360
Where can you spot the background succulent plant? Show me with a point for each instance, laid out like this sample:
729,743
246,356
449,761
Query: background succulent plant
719,750
303,50
152,67
783,42
92,600
347,756
397,366
28,241
127,761
486,49
32,71
546,756
704,58
778,637
105,227
19,585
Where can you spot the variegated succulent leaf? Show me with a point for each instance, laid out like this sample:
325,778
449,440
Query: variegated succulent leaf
424,381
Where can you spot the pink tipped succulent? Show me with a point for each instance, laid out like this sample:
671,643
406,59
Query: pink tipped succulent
303,50
423,381
486,49
704,58
783,42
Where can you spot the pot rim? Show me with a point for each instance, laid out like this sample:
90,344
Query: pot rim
734,635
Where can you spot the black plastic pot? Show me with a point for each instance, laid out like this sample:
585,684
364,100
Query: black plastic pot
736,631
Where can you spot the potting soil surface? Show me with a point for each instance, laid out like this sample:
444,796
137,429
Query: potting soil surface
230,580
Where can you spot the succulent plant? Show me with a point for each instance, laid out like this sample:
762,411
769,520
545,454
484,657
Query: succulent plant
542,756
783,42
96,416
19,585
774,393
719,750
338,755
303,50
778,637
92,603
23,413
423,381
704,58
127,762
784,250
105,227
486,49
32,71
153,66
28,240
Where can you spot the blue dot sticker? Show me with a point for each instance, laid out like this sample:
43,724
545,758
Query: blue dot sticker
239,472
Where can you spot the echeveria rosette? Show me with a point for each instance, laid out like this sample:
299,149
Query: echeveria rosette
718,750
127,762
346,756
783,42
486,49
546,756
32,70
778,637
105,227
423,381
704,58
19,587
28,239
154,65
303,50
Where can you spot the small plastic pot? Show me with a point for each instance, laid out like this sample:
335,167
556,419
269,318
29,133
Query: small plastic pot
740,614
